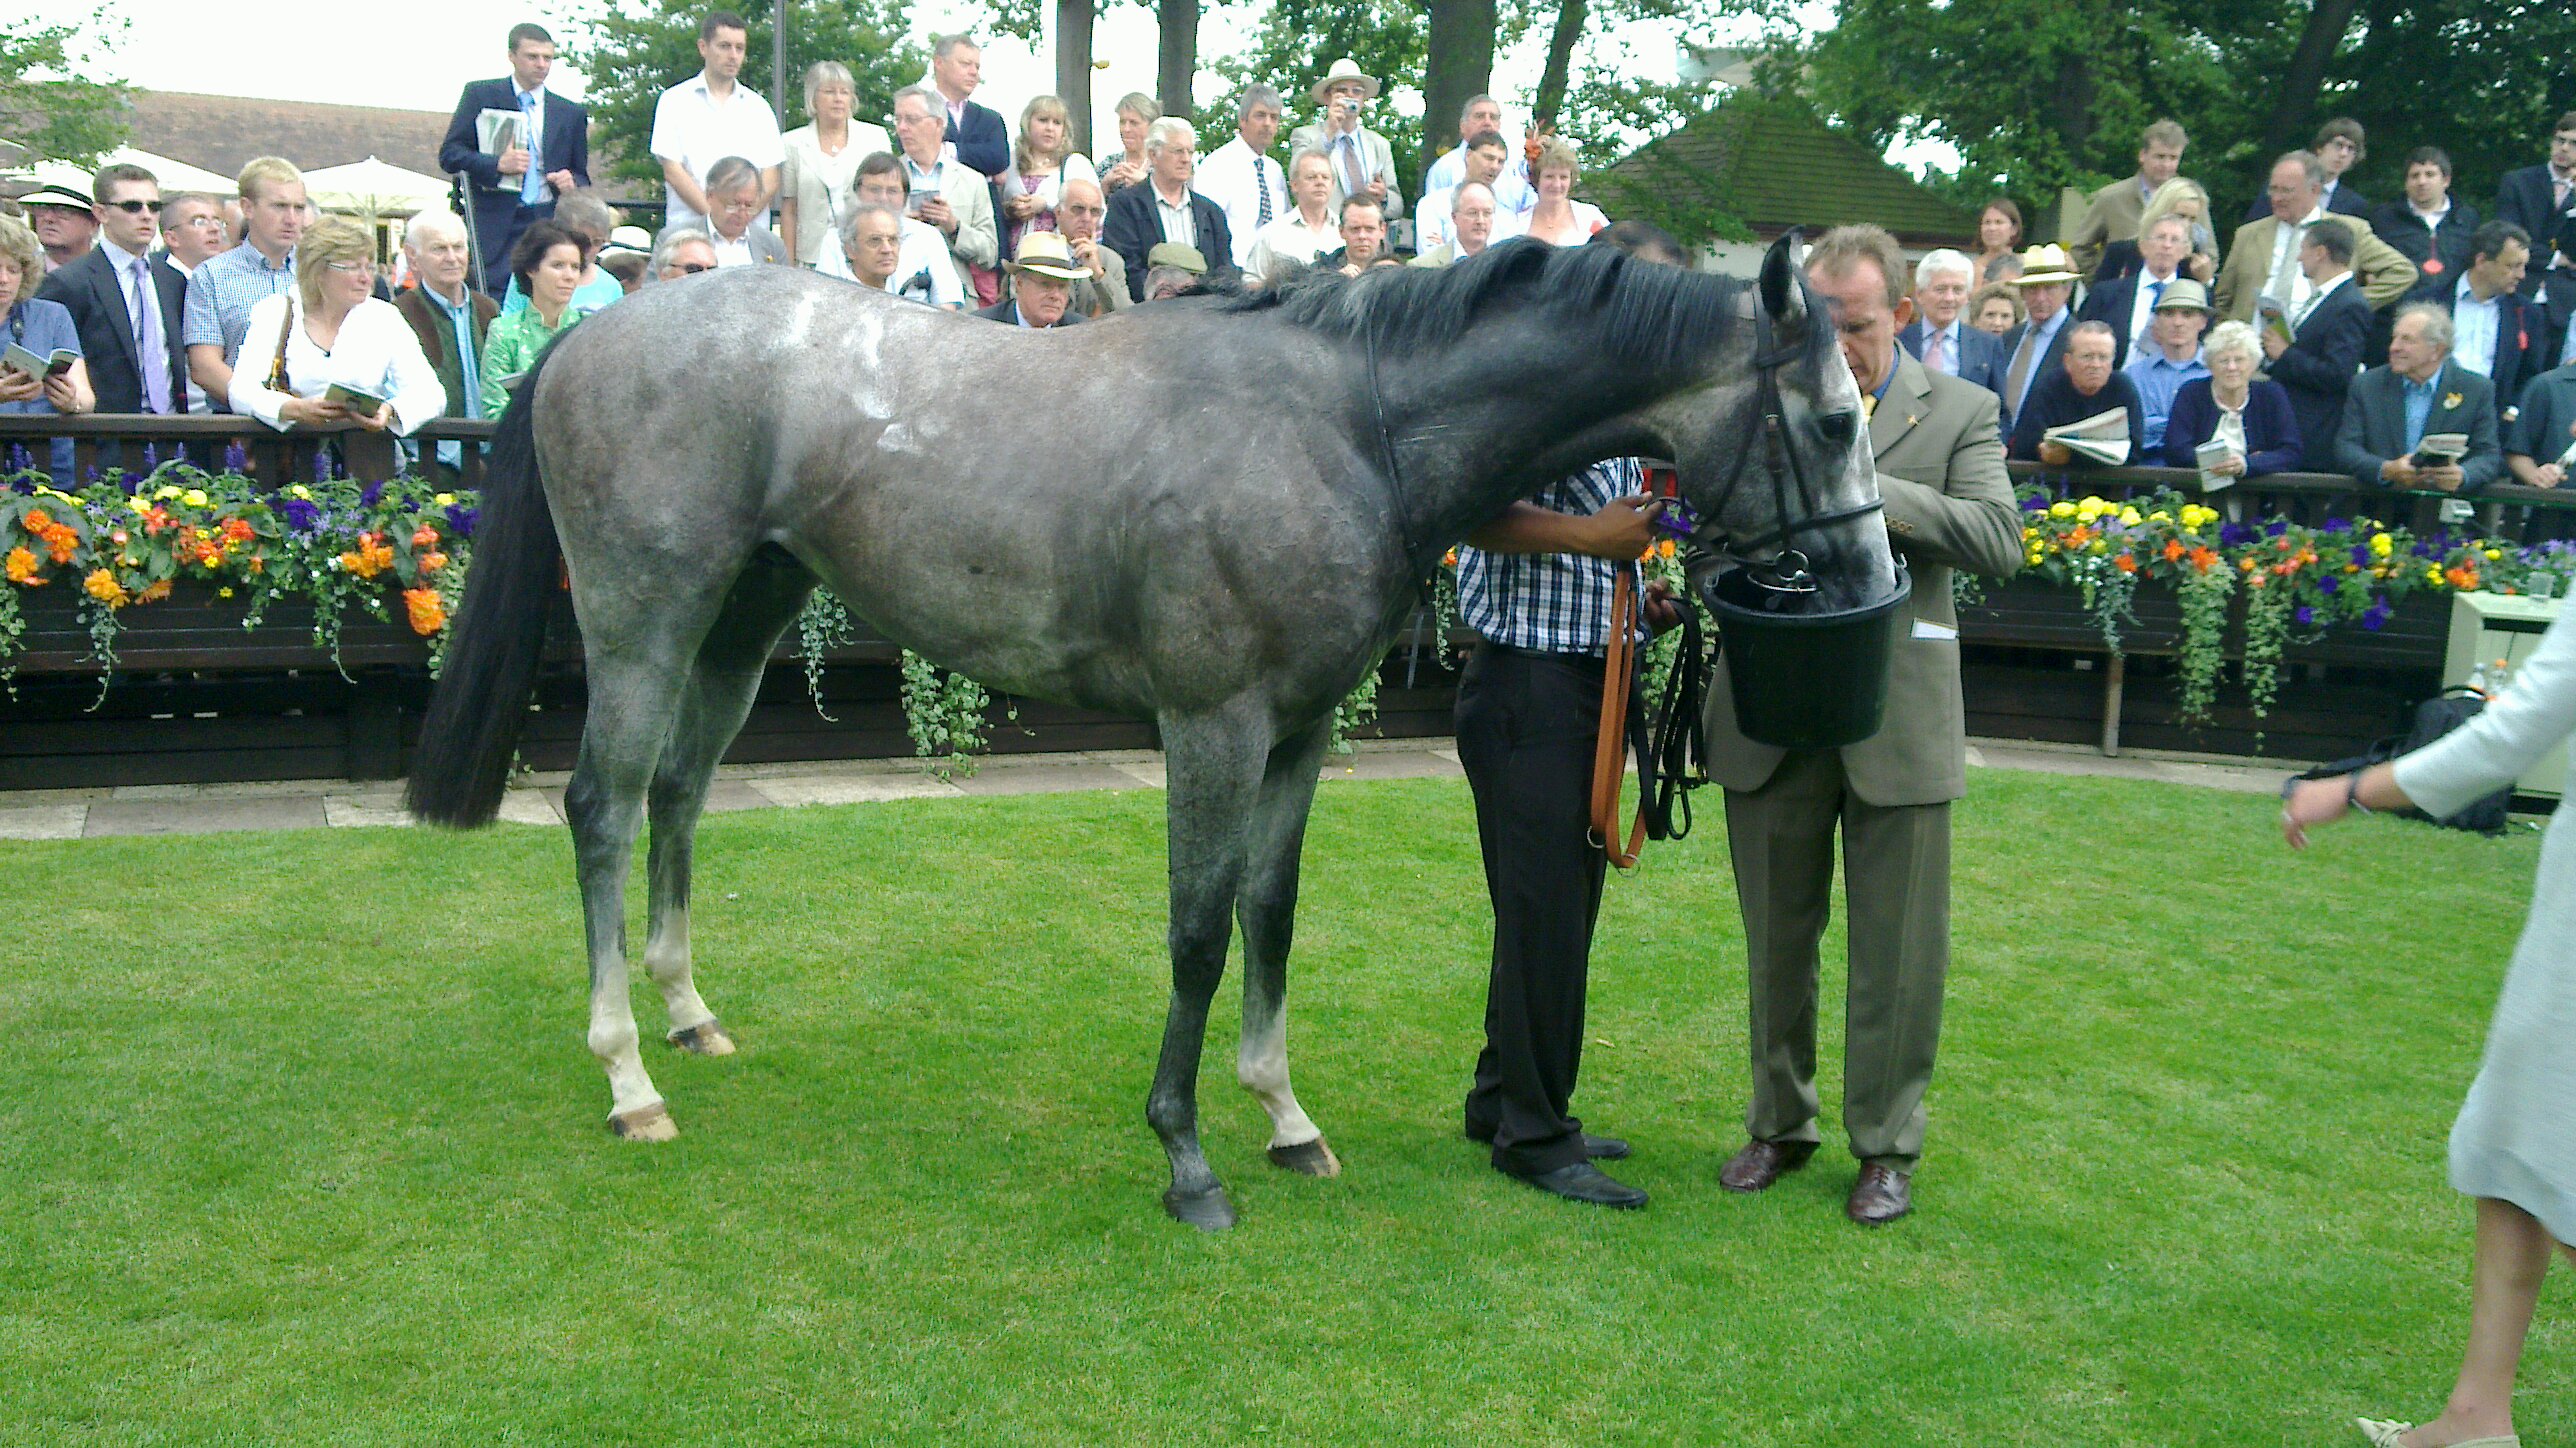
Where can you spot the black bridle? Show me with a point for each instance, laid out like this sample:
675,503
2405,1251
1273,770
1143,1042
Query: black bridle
1786,570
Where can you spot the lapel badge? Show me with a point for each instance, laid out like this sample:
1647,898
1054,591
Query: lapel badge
2450,400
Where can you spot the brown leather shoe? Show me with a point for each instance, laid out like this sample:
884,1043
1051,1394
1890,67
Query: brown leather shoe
1761,1163
1882,1195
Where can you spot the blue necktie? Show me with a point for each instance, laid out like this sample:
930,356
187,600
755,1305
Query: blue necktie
532,186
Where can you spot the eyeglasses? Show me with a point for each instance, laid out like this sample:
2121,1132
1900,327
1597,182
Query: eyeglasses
208,219
691,268
138,208
347,268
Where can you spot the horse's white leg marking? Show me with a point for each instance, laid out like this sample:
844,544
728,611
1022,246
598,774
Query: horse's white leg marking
631,1095
666,956
1261,1064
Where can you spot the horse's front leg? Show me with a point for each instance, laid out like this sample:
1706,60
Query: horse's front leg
1213,765
1267,907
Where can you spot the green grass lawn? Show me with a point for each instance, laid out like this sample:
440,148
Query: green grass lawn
299,1143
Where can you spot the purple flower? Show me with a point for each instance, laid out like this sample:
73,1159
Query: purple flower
2422,550
302,516
371,495
2276,528
2329,584
2305,615
2035,503
2338,525
2376,614
236,457
2234,535
2361,555
322,465
461,519
20,459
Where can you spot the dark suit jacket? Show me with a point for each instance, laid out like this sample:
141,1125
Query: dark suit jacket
2271,428
2522,339
2318,369
95,296
1981,354
2047,364
1134,228
2109,303
1007,311
2054,402
2528,198
2374,424
496,197
2399,226
983,143
2344,202
438,341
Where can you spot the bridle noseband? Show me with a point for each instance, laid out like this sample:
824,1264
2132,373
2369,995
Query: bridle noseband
1787,569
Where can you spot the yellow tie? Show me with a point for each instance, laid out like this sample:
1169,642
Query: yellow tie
1869,404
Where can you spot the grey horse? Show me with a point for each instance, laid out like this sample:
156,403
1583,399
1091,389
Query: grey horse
1212,512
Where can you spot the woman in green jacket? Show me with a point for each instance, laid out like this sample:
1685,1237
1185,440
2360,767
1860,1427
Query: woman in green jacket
547,264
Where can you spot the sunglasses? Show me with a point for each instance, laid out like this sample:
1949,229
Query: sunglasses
138,208
692,268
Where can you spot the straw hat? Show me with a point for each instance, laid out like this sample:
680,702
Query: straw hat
2044,265
62,196
1045,253
1345,69
1172,253
2181,293
633,239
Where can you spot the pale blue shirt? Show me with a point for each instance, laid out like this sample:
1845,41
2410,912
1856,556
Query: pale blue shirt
2473,329
2158,378
2419,407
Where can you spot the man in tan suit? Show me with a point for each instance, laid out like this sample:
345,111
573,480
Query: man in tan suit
2112,213
2264,258
1949,504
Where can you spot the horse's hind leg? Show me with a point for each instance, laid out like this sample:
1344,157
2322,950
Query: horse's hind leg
1214,765
1267,907
722,684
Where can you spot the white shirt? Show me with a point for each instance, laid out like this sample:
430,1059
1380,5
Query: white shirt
922,269
1226,178
1291,239
376,352
2142,309
1179,225
1513,194
2473,328
2285,244
2317,293
1434,227
692,127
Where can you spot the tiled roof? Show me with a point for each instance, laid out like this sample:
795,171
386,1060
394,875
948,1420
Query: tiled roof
221,133
1773,164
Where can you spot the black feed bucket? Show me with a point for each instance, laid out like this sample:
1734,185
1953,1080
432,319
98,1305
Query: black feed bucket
1803,679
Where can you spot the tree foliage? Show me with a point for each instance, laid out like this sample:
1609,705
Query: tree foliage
50,102
1300,39
633,52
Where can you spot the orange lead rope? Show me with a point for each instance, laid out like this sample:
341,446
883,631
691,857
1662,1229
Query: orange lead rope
1618,688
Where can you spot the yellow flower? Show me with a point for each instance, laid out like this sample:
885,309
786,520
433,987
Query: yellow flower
299,491
2495,553
194,497
2130,518
444,500
2432,575
138,506
2381,543
164,494
224,592
2160,516
2061,510
2101,547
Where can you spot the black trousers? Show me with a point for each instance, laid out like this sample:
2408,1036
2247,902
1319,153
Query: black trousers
1526,724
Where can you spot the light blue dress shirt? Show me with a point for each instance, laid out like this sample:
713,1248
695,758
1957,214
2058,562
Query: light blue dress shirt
2473,329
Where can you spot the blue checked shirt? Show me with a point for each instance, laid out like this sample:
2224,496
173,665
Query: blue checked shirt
221,293
1551,603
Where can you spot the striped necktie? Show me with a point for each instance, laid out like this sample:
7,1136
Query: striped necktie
1261,188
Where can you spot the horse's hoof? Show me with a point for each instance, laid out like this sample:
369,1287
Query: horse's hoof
644,1123
1307,1158
704,1040
1208,1211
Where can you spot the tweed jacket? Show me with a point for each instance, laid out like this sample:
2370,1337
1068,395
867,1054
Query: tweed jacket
2374,424
1949,505
2382,271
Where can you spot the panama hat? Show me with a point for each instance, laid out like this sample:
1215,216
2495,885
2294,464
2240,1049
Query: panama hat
62,196
1045,253
2183,292
2043,265
1172,253
634,239
1345,69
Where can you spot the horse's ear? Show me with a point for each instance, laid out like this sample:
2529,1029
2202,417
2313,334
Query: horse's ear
1782,297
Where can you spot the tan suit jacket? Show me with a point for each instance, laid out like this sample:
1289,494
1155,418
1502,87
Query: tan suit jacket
2381,271
1940,459
2110,214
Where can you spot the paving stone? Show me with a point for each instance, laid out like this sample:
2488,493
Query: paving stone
241,789
855,789
43,822
1057,779
352,811
201,816
1147,772
1392,764
726,796
530,807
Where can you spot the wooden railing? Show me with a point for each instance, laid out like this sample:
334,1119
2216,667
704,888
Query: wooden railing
133,441
2503,510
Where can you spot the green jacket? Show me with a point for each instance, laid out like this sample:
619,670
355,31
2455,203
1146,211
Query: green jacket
510,348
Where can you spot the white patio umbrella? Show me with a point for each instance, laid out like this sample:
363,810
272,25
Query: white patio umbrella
374,188
173,174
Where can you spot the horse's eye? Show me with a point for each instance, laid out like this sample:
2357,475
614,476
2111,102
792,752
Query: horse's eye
1838,427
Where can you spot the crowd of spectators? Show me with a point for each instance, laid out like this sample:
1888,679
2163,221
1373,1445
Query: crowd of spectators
2309,336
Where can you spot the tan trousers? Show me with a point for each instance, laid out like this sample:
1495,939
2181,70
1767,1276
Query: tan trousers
1896,872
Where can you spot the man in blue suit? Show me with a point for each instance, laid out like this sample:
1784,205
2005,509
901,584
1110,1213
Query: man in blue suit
1938,337
2497,334
520,185
2128,304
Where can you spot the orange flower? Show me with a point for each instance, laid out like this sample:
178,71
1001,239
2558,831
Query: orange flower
102,585
154,592
2204,559
38,522
2126,563
22,568
432,561
428,615
155,521
2173,550
239,530
425,537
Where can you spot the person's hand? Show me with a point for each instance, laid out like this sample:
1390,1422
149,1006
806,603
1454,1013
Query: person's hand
65,397
17,386
1663,608
2548,475
2400,472
2055,454
1377,189
936,211
562,180
1020,208
312,411
1088,253
1623,528
2447,477
2274,344
513,162
2202,267
2230,466
378,421
2312,802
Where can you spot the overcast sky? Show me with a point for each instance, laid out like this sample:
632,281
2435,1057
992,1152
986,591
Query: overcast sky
321,50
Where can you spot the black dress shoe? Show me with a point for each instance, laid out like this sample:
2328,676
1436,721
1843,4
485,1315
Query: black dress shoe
1598,1148
1583,1182
1882,1195
1761,1163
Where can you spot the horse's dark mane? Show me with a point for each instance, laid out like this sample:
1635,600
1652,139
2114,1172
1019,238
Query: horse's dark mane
1643,315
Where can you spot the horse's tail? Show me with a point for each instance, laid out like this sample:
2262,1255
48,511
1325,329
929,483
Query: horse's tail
471,735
